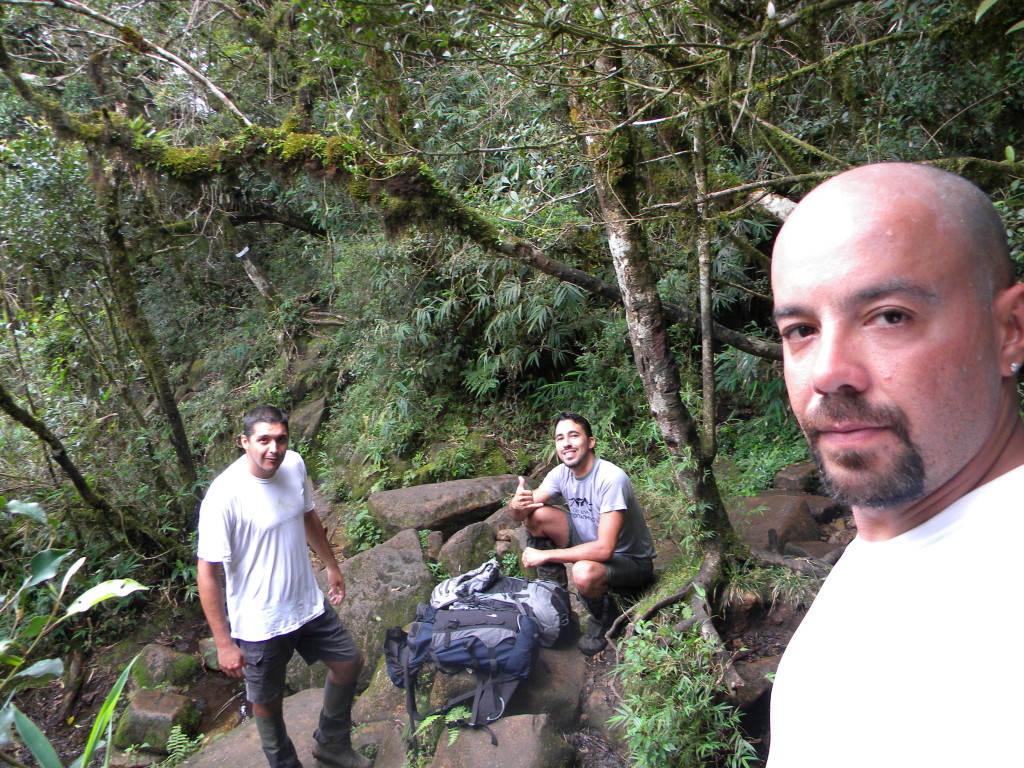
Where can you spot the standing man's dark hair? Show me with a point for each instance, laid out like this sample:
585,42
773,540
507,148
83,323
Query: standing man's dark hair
266,414
902,337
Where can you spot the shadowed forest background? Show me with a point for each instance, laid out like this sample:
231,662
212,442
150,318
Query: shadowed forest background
450,221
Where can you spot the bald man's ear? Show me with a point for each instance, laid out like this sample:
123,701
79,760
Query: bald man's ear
1009,313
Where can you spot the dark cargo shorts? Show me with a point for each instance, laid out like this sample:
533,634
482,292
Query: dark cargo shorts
625,572
321,639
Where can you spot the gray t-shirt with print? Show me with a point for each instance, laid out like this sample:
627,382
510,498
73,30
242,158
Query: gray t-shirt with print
604,489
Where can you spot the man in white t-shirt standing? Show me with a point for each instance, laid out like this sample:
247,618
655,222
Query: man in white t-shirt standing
903,333
601,531
254,526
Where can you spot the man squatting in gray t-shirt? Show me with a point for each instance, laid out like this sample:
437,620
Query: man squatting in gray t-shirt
602,530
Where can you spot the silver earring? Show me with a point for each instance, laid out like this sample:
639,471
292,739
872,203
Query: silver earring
1015,367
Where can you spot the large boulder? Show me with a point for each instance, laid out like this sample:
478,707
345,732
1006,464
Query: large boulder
786,513
160,665
383,586
305,421
393,750
445,507
555,686
467,549
802,477
381,701
308,373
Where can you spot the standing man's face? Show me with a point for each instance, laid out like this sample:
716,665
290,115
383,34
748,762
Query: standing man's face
891,358
574,448
265,448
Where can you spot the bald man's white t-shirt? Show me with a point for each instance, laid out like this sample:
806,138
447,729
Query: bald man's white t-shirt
909,655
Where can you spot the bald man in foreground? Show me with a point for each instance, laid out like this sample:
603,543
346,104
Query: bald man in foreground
903,333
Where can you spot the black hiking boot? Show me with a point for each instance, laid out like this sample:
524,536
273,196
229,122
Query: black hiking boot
549,571
334,736
603,612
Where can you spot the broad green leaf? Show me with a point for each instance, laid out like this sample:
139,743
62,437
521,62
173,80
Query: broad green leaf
28,509
1016,27
36,625
42,671
983,8
6,723
44,565
71,572
104,720
36,741
101,592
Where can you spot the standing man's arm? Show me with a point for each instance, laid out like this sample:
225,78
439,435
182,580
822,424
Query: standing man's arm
211,596
316,537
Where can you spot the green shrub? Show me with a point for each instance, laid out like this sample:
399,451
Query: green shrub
361,530
673,708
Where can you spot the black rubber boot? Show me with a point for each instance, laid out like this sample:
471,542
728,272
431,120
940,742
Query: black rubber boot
276,745
334,736
549,571
603,612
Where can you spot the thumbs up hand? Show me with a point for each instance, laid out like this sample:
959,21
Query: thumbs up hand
522,500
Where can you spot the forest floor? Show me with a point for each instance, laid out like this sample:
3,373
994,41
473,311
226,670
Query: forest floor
182,628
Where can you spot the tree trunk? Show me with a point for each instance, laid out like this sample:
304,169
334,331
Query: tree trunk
613,155
143,340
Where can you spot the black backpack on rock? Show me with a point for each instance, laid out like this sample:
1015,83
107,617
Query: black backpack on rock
493,635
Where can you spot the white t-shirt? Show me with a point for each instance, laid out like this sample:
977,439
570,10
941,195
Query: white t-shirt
909,654
605,488
256,528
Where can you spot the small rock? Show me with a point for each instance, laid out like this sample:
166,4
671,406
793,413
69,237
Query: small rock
159,664
149,718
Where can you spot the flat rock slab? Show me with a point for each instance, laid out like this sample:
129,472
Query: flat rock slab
240,748
524,741
445,507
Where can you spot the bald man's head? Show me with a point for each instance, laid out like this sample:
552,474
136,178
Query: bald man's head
891,195
899,323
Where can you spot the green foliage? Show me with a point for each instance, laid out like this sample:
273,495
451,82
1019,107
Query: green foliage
22,635
772,585
452,719
985,6
673,707
511,565
438,572
756,449
361,531
180,747
603,383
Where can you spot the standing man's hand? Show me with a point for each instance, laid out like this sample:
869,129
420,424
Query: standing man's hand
335,586
231,660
